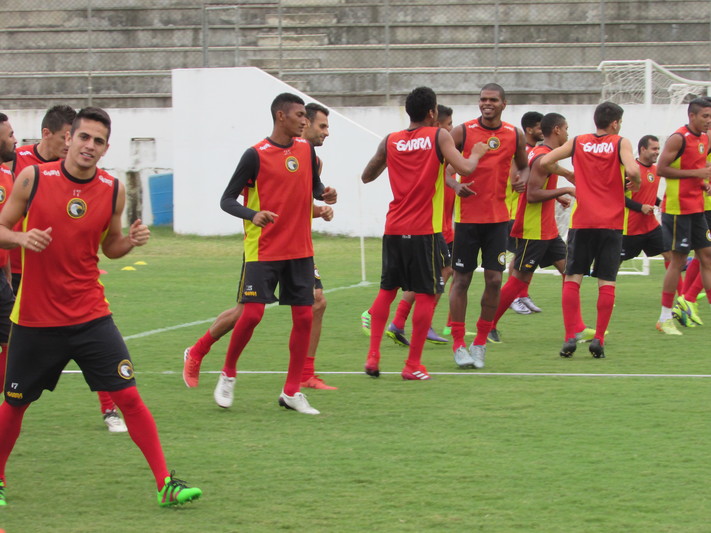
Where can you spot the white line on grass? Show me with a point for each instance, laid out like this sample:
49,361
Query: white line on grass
210,320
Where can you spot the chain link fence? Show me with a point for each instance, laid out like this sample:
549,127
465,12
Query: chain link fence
343,52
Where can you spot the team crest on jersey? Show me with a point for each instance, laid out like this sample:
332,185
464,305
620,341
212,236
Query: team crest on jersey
125,369
493,143
702,148
3,194
292,164
502,258
708,235
650,177
76,208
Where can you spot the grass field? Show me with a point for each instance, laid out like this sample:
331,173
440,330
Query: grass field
531,443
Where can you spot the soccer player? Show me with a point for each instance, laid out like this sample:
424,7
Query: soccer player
600,160
415,161
52,147
396,329
316,131
535,228
642,232
482,217
279,176
71,209
683,164
7,296
531,126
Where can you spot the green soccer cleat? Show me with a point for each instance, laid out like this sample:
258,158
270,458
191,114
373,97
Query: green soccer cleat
176,492
668,327
494,336
3,501
365,323
446,331
693,312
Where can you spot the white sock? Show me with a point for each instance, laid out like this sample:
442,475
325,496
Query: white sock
666,314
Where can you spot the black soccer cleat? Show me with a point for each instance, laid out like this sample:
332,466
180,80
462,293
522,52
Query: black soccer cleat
596,349
569,347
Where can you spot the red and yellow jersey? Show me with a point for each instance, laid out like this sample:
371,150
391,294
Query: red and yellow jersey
536,220
60,285
416,173
599,182
707,197
6,182
25,156
488,205
283,185
512,196
637,223
686,196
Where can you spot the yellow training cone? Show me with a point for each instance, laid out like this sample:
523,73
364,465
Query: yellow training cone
140,263
128,268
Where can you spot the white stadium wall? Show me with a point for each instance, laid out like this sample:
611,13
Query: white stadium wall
218,113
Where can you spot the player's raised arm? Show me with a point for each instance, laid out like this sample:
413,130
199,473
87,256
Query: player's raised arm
35,240
548,161
630,163
457,161
115,244
535,188
377,163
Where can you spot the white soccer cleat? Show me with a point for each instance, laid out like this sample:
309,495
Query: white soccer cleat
478,354
114,422
224,391
462,358
526,300
521,308
297,402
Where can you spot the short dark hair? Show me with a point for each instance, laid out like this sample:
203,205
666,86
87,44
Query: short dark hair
313,108
3,118
283,101
551,121
697,104
57,117
606,113
494,87
93,113
443,111
530,119
419,102
644,142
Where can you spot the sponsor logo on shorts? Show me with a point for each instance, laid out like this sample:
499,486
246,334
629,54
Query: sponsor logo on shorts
125,369
76,208
493,143
459,263
3,194
316,273
292,164
502,258
16,395
250,293
708,235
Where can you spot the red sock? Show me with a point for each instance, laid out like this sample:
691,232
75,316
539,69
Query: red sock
509,292
667,299
250,318
3,363
483,327
309,369
301,317
571,308
458,331
201,348
10,425
401,314
143,430
105,401
421,321
605,304
379,312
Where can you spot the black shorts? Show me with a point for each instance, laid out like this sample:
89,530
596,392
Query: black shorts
37,356
445,251
318,286
7,300
533,253
491,239
412,263
651,243
512,242
295,278
596,248
683,233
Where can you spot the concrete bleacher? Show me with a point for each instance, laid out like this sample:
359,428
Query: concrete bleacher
341,51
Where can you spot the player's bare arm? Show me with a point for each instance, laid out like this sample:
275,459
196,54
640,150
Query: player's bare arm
329,195
323,211
536,191
548,161
669,154
518,180
115,243
630,163
376,165
34,240
460,189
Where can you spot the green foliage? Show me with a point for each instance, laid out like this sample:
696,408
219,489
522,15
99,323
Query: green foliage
531,443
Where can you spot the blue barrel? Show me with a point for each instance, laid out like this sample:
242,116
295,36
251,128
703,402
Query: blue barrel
161,190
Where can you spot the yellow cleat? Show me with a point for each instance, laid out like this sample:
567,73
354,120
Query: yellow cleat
668,327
